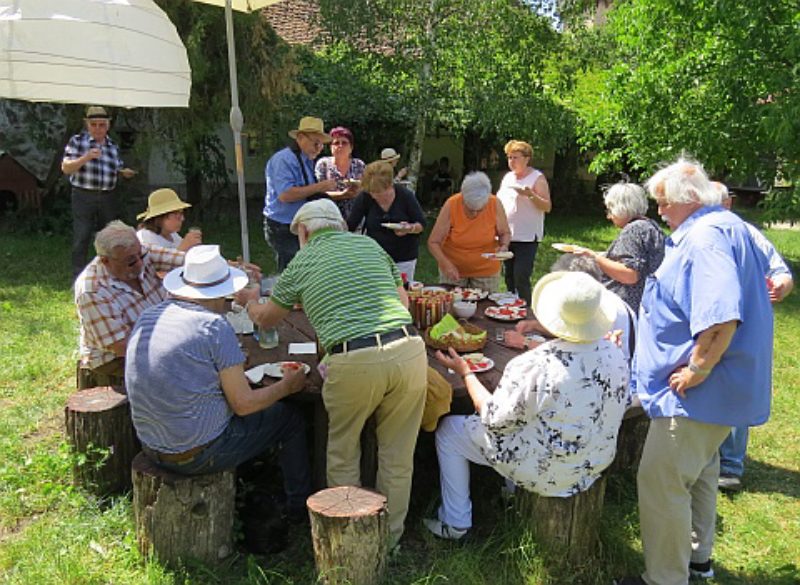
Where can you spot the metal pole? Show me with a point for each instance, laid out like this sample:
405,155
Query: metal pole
237,122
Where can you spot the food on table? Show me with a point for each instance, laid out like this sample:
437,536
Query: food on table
450,331
469,294
506,313
428,305
478,362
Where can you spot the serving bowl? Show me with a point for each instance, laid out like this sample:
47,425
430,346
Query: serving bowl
464,309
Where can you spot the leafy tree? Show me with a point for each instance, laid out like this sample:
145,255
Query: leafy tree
717,79
478,64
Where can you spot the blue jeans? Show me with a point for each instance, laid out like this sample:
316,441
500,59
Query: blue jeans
248,436
519,269
283,242
732,452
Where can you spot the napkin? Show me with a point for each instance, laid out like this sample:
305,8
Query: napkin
255,374
309,348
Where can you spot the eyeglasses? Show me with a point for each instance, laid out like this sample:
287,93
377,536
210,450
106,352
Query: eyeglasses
315,141
340,142
130,261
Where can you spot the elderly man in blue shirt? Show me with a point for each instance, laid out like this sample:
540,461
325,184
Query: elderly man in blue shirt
290,183
703,364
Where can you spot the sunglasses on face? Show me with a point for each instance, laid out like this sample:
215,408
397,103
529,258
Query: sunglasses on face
131,261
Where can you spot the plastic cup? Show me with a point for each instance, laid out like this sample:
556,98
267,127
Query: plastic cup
267,337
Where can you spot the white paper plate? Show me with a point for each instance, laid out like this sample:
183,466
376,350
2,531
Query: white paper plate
273,370
484,365
567,248
469,294
434,289
506,313
392,226
498,255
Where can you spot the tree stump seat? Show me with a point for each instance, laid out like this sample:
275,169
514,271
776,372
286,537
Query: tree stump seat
630,440
179,517
566,527
98,426
350,532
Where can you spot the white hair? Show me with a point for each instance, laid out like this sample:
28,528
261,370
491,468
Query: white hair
722,189
320,223
684,181
475,189
625,200
115,235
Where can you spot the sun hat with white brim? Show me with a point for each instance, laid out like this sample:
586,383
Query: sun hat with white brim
162,201
205,275
573,306
319,209
311,125
389,155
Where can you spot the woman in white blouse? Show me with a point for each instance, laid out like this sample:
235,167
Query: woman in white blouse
162,221
525,196
551,425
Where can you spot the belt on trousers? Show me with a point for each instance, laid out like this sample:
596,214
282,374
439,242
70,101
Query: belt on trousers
83,190
177,458
373,340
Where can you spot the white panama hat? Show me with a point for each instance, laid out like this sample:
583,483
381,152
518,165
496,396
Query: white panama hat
573,306
204,275
389,155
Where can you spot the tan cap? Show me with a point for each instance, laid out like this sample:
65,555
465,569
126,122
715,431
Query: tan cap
319,209
94,112
162,201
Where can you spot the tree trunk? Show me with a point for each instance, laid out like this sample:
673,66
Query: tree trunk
630,441
566,527
98,426
183,516
350,531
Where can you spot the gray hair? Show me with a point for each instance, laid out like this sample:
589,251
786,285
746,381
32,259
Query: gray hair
722,189
575,263
476,189
684,181
115,235
625,200
321,223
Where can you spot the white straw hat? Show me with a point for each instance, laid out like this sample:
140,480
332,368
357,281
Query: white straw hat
573,306
389,155
205,275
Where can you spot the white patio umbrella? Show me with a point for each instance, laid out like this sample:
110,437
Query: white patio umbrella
123,53
236,118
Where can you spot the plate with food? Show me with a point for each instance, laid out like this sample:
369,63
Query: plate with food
507,299
506,313
498,255
433,288
566,248
393,225
469,294
478,362
273,370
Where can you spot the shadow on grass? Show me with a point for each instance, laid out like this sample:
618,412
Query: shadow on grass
765,478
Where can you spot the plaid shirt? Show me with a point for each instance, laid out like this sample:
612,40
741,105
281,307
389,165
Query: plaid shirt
98,174
108,308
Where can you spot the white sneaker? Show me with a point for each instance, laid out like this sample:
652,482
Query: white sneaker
442,530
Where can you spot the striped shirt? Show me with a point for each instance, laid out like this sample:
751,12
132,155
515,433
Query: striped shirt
347,285
98,174
175,355
108,308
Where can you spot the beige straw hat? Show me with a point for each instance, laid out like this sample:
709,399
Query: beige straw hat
389,155
311,125
160,202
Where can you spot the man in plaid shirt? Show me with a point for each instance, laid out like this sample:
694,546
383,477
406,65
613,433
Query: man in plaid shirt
110,294
92,162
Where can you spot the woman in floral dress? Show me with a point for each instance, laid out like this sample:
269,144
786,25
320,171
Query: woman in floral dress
551,425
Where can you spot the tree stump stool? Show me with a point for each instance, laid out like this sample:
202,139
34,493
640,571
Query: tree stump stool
630,441
565,527
350,531
98,426
183,516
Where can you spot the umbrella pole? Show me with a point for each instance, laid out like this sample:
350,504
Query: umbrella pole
237,122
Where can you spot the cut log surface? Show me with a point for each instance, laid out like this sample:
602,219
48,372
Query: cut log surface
350,531
183,516
566,527
98,426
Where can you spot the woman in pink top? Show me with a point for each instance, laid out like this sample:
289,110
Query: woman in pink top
525,196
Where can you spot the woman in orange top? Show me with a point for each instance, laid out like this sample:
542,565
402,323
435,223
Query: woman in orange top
470,223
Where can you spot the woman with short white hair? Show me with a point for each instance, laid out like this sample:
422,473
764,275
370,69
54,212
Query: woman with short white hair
638,249
470,225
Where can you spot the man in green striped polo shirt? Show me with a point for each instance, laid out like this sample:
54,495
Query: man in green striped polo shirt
376,363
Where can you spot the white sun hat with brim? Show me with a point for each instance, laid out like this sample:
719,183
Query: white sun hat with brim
319,209
573,306
389,155
205,275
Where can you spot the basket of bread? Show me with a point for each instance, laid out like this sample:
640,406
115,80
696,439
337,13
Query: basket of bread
459,335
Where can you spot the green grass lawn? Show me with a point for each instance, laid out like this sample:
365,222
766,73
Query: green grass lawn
51,532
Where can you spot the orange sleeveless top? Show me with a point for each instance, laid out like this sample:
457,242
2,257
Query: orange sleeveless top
470,237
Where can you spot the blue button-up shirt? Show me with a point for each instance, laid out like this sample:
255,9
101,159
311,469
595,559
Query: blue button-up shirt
712,273
282,173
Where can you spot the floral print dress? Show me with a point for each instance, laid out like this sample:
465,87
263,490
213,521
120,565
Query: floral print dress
326,169
551,425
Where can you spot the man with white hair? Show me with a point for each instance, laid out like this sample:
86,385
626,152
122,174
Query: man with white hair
376,364
110,294
703,364
779,284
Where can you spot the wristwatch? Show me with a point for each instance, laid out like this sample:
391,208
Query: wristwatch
695,369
